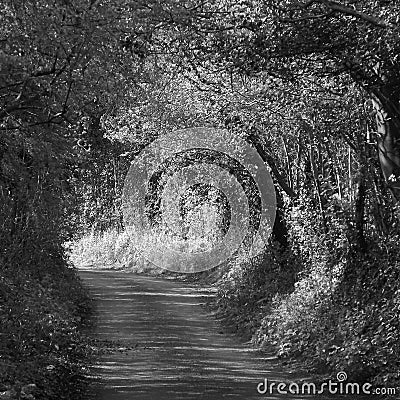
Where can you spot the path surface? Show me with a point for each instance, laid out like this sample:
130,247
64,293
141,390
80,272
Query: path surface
177,350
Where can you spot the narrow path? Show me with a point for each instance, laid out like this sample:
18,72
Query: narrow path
176,350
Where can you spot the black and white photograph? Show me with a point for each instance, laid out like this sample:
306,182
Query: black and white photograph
199,199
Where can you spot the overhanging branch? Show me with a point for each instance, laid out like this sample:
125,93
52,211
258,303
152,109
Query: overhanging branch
254,139
335,6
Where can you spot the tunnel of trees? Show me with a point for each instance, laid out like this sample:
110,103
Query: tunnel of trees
313,85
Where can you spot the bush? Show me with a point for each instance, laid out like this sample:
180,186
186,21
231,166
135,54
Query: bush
41,342
109,249
322,300
247,288
343,311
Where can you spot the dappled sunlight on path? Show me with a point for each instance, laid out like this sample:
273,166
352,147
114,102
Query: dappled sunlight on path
171,348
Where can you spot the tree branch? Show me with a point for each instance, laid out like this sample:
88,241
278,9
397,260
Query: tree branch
256,141
335,6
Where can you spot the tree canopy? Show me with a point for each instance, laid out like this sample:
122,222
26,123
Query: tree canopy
313,85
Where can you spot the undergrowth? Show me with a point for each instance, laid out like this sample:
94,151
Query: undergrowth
321,300
43,350
110,249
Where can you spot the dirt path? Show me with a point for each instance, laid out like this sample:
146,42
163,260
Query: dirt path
177,350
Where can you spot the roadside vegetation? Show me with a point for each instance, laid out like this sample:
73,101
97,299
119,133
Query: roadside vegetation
109,250
44,354
313,85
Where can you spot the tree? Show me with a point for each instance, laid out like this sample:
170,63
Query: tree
62,64
293,40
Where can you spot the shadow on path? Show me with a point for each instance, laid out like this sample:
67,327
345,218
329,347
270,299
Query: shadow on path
172,349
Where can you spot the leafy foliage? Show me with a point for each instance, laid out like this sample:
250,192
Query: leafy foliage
41,341
84,86
58,63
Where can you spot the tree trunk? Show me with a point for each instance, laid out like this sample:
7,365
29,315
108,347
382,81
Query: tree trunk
386,101
360,211
280,229
255,140
315,175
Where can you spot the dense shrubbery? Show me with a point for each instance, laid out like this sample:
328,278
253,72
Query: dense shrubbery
351,326
41,342
342,312
249,286
109,249
42,301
